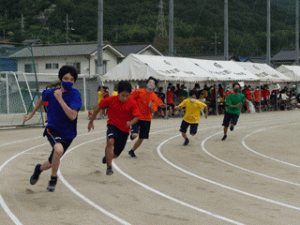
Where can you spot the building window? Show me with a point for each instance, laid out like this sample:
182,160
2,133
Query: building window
28,68
104,67
48,66
76,65
55,66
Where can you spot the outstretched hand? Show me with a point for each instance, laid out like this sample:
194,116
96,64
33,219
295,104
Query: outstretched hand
28,117
90,126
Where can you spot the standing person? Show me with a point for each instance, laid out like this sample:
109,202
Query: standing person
227,92
233,103
265,94
115,92
191,117
64,104
257,98
148,103
105,95
46,105
122,112
162,96
170,102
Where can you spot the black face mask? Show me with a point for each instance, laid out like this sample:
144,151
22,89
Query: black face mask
236,90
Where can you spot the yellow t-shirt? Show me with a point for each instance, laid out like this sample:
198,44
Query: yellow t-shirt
100,96
192,110
115,93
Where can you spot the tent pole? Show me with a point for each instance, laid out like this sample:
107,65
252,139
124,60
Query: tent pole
166,101
259,110
216,99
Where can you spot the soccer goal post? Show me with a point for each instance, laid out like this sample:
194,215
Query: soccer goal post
19,91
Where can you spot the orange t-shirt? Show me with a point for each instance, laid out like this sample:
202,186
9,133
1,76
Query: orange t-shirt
227,93
256,96
142,97
170,96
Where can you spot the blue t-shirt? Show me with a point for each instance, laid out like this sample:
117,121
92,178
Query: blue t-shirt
57,118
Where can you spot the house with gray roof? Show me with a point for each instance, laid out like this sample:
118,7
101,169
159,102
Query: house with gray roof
284,57
83,56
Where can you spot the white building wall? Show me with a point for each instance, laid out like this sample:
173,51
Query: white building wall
108,56
61,61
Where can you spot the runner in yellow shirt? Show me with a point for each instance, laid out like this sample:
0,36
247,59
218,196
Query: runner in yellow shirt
192,114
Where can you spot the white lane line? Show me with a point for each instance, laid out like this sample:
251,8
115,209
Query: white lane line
81,195
174,199
218,184
2,202
265,156
241,168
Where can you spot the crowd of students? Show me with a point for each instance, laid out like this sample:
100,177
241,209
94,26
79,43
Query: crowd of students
260,97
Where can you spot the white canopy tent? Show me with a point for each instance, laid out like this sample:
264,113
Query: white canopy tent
264,72
293,72
140,67
225,70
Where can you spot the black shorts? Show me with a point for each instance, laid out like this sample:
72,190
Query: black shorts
142,128
185,125
256,103
119,136
171,105
54,138
230,118
46,109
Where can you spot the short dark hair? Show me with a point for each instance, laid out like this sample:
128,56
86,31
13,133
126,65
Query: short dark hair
67,69
124,86
236,84
192,92
161,88
152,78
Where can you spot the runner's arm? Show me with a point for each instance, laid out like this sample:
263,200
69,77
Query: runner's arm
38,105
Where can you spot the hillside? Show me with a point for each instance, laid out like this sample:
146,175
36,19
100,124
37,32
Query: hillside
134,21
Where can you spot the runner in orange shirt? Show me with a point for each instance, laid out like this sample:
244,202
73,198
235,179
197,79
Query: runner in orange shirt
148,103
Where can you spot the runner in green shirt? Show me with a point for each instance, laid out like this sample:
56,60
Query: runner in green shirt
234,102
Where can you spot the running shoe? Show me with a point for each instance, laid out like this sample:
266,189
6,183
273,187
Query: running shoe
231,128
104,160
131,153
51,185
36,174
186,142
224,137
109,171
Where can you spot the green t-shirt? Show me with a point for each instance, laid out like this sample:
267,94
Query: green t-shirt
234,100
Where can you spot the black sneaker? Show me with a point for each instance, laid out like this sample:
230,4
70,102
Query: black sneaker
104,160
231,128
109,171
51,185
186,142
224,137
36,174
131,153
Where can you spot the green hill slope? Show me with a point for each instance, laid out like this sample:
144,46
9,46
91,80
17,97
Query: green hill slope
134,21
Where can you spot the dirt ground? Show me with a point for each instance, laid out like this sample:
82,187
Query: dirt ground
251,178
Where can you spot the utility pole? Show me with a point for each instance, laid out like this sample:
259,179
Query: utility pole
67,21
100,38
171,29
216,43
226,48
22,23
161,30
297,32
269,32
